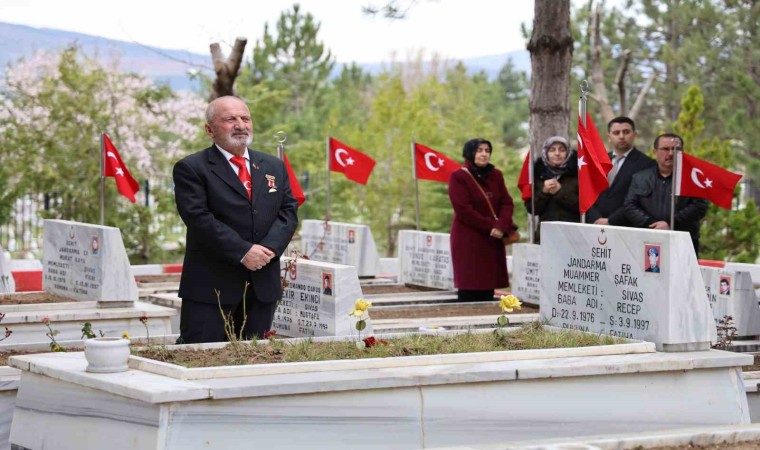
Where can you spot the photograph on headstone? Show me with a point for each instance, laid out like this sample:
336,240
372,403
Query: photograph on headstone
340,243
425,259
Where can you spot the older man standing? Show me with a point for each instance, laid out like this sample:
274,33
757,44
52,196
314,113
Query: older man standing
240,216
648,202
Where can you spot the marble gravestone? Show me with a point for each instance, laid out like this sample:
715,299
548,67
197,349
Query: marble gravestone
7,283
317,300
340,243
425,259
86,262
633,283
731,293
526,268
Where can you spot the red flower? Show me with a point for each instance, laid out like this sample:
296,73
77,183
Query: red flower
370,341
45,320
143,319
269,334
382,341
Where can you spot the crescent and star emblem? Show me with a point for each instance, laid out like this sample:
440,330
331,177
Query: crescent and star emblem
247,185
349,161
111,155
430,164
581,163
599,238
695,179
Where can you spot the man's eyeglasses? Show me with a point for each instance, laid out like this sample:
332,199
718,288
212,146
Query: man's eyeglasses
669,149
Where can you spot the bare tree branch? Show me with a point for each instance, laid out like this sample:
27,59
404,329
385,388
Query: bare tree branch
637,105
597,74
620,79
226,69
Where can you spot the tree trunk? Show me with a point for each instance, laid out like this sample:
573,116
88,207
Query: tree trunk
226,69
551,51
597,75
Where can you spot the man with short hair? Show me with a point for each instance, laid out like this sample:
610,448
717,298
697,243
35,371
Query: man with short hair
626,161
648,202
240,216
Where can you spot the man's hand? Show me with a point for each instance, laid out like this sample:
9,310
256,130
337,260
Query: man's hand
602,221
257,257
661,225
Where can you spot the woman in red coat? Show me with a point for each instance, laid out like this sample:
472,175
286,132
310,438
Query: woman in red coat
478,256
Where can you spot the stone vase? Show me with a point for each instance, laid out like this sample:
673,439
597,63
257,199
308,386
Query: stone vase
107,354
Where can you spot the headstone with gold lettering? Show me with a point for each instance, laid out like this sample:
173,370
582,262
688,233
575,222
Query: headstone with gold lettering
526,276
731,293
317,300
634,283
425,259
7,283
340,243
86,262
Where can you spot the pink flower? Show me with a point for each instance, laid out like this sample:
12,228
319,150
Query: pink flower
46,320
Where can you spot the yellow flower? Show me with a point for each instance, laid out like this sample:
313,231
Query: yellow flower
360,307
509,303
125,335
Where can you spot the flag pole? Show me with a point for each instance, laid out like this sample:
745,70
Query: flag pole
327,176
280,137
674,177
532,215
102,179
582,113
416,186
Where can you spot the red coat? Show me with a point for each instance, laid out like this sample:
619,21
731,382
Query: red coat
480,262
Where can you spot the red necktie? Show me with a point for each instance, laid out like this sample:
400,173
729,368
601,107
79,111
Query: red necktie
243,174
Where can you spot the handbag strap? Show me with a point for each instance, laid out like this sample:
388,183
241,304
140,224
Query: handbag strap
488,200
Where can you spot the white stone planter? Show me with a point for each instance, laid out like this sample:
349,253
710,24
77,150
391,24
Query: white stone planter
107,354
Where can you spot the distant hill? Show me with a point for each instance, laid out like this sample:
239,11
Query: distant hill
171,66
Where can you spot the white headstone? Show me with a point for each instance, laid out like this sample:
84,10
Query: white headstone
753,269
340,243
526,276
7,283
634,283
317,300
731,293
425,259
86,262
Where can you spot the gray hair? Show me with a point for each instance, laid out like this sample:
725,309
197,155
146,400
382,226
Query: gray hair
211,108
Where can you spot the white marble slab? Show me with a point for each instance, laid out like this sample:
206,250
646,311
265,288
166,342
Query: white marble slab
753,269
389,268
526,273
731,293
317,300
598,279
7,283
340,243
86,262
425,259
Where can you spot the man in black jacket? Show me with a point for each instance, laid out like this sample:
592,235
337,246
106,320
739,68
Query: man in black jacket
648,202
626,160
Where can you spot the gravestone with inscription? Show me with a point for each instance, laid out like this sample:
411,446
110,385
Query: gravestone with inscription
425,259
633,283
731,293
526,268
86,262
317,300
340,243
7,283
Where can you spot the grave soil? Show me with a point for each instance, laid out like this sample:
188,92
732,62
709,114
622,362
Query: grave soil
26,298
162,278
753,368
444,310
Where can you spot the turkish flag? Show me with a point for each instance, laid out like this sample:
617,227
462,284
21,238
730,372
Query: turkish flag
701,179
114,167
523,182
295,186
432,165
352,163
593,164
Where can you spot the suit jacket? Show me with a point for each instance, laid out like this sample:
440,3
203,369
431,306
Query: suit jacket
222,225
610,202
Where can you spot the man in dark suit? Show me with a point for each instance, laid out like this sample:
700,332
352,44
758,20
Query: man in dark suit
240,216
626,160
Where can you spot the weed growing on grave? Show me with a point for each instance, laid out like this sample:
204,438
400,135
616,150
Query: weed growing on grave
361,312
8,331
508,303
51,334
236,340
726,333
87,332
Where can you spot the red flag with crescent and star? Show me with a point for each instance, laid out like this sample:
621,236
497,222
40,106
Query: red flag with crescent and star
295,186
432,165
352,163
593,164
699,178
114,167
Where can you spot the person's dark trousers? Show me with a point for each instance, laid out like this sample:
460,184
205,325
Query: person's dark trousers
466,295
203,322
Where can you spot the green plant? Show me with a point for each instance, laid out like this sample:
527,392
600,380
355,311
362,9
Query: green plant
51,334
508,303
361,312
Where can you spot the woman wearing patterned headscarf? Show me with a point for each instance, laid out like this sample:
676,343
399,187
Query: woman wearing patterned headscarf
482,216
556,183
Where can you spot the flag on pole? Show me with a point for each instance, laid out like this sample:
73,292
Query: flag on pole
114,167
352,163
295,186
593,164
523,182
432,165
699,178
